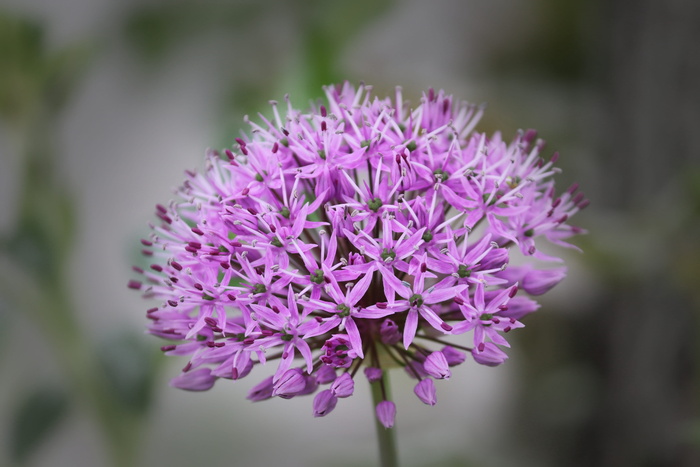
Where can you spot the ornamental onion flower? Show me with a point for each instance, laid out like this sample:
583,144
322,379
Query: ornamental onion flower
364,232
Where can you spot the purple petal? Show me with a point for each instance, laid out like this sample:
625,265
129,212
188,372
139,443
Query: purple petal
386,413
268,317
305,352
200,379
261,391
409,329
359,289
513,274
496,337
537,282
519,306
298,225
479,296
434,320
354,335
373,374
290,384
389,332
343,386
425,390
392,284
409,245
324,327
310,387
491,355
440,295
453,199
436,366
325,374
331,248
324,403
453,356
374,312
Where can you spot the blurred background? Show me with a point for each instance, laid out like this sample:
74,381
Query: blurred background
104,104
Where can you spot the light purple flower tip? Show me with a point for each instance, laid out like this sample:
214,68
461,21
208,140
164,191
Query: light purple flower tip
425,390
291,383
324,403
386,413
200,379
373,374
261,391
343,386
533,281
325,374
520,306
310,386
389,332
436,366
453,356
490,356
540,281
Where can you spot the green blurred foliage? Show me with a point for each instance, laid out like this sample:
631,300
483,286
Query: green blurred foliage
156,31
36,83
21,64
129,365
114,382
559,45
37,416
33,79
686,251
322,29
45,231
5,323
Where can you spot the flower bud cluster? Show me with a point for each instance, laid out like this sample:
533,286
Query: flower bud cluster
364,232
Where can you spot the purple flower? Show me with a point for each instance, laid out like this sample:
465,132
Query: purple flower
325,374
324,402
533,281
386,413
486,319
261,391
200,379
355,234
418,303
373,374
453,356
290,383
489,355
425,390
436,366
389,332
343,386
338,352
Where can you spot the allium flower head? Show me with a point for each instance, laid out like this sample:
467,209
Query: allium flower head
365,232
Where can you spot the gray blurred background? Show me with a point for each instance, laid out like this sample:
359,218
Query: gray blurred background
104,104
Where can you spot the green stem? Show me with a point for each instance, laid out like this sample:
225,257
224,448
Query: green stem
385,436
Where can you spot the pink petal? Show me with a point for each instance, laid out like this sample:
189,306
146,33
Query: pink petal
386,413
409,329
354,335
425,390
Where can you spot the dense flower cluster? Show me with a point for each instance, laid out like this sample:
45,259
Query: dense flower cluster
362,232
